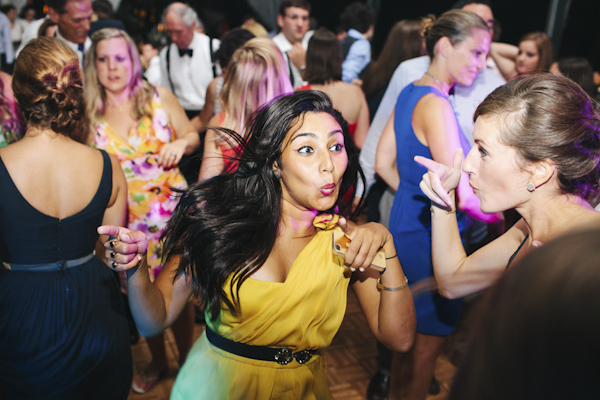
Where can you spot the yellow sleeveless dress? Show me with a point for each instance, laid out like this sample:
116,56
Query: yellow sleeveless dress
302,313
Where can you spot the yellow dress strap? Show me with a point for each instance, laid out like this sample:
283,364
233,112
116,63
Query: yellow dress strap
326,221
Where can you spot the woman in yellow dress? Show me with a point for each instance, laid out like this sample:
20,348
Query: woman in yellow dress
256,245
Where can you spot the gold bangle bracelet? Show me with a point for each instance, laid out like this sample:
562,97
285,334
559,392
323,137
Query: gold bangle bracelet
447,212
381,286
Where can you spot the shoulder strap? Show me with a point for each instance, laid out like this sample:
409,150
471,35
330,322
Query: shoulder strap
106,172
510,260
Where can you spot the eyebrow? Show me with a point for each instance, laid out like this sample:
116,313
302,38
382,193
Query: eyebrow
312,135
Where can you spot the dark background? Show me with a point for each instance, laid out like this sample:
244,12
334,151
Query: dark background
515,17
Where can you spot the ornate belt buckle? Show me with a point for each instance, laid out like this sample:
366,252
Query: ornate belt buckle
284,356
303,356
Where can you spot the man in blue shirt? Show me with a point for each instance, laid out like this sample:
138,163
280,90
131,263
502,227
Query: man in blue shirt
357,18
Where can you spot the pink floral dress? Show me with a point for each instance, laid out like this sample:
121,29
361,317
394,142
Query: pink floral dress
151,200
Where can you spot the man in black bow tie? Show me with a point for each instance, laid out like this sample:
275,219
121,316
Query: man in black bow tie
187,68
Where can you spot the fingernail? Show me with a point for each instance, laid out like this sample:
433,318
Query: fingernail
112,243
361,269
139,257
352,269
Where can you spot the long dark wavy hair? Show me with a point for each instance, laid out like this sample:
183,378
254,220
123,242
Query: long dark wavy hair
228,224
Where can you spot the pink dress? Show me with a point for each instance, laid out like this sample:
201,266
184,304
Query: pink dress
151,200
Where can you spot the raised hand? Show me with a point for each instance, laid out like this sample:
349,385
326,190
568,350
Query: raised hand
125,249
439,180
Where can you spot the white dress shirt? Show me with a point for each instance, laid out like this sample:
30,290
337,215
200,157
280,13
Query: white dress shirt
30,32
285,46
153,74
189,76
75,47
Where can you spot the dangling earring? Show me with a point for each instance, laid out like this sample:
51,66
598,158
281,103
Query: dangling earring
277,173
530,187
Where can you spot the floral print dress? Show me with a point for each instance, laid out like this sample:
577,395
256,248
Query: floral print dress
151,200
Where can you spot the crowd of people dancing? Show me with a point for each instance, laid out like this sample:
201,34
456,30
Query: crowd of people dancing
149,186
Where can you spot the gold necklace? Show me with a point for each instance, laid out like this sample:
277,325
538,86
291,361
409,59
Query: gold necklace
119,108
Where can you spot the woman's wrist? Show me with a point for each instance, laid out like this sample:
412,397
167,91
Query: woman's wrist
391,286
389,249
141,260
442,208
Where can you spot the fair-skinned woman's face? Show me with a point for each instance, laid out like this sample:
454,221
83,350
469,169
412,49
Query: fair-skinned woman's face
467,58
494,173
528,57
313,162
114,64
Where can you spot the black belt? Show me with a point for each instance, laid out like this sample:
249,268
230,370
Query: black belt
282,356
55,266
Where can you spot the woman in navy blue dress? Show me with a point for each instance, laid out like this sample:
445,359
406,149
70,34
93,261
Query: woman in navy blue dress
63,327
424,124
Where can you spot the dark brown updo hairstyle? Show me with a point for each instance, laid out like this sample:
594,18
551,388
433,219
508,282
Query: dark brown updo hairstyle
456,25
549,117
48,87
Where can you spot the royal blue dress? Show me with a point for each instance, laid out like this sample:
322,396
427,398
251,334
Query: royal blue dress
63,327
410,220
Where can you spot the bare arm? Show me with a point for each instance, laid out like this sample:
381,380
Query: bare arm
390,314
456,274
186,140
212,159
385,161
435,124
362,122
505,57
297,55
202,120
154,306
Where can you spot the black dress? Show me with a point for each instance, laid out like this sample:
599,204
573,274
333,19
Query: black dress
63,327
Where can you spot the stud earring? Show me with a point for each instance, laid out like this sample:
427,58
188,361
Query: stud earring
530,187
277,173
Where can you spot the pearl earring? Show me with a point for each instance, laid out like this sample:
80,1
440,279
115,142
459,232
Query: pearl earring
530,187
